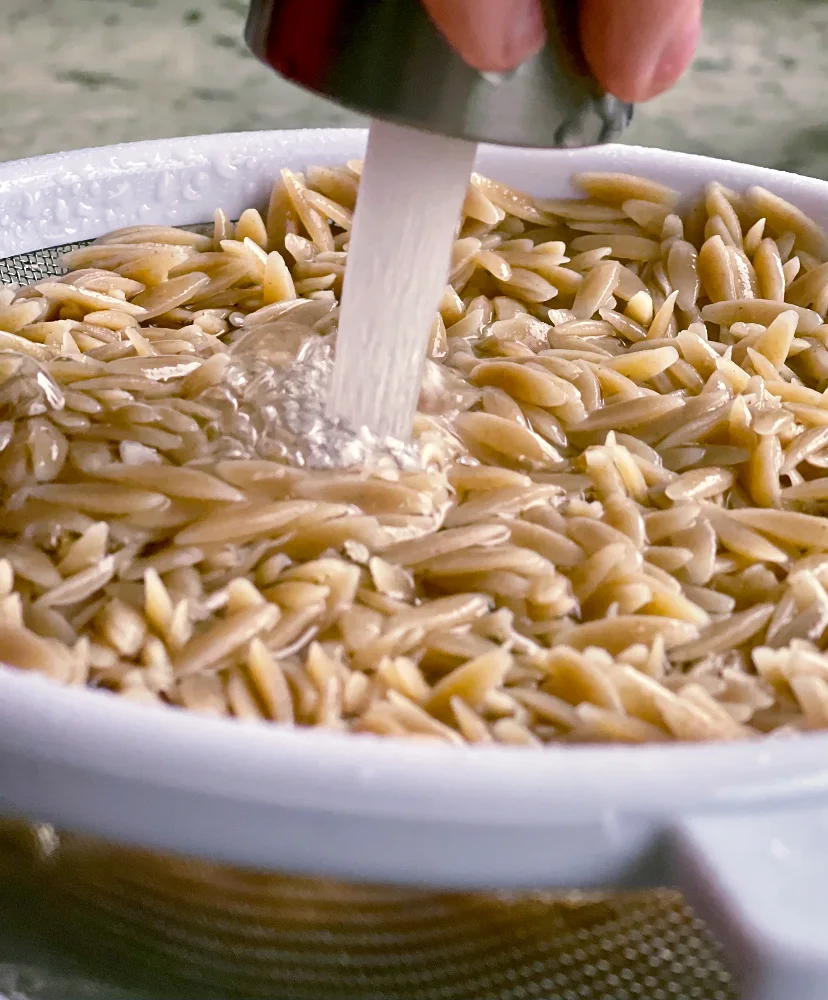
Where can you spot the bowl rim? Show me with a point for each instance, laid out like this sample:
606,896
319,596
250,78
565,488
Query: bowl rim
38,181
363,775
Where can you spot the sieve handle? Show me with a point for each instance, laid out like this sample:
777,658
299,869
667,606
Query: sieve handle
761,881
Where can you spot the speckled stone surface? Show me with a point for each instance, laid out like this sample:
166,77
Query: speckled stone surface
89,72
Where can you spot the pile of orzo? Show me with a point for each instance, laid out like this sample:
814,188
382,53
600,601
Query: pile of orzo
616,530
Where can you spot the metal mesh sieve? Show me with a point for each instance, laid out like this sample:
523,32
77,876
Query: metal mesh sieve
25,268
28,267
216,932
188,928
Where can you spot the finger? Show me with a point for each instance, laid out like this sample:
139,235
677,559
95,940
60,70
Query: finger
639,48
490,35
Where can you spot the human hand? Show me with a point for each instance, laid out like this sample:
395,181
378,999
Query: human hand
635,48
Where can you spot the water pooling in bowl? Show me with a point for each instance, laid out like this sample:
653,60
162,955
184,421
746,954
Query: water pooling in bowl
276,410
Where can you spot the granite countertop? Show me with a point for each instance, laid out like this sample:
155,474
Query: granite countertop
90,72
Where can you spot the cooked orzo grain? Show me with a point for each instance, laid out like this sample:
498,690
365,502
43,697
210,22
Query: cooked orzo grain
616,531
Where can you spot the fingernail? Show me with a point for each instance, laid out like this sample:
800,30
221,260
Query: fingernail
674,57
525,31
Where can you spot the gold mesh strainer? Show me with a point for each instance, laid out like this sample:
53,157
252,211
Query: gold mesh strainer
195,929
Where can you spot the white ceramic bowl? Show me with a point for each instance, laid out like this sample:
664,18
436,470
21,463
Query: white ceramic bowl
742,828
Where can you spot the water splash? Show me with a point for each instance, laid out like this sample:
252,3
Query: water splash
271,405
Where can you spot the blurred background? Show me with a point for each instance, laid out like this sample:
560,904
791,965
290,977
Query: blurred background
79,73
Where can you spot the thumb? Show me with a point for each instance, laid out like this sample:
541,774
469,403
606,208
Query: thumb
490,35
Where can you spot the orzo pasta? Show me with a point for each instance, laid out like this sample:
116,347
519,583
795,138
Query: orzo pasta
614,530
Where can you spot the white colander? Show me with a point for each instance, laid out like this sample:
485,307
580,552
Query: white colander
741,829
